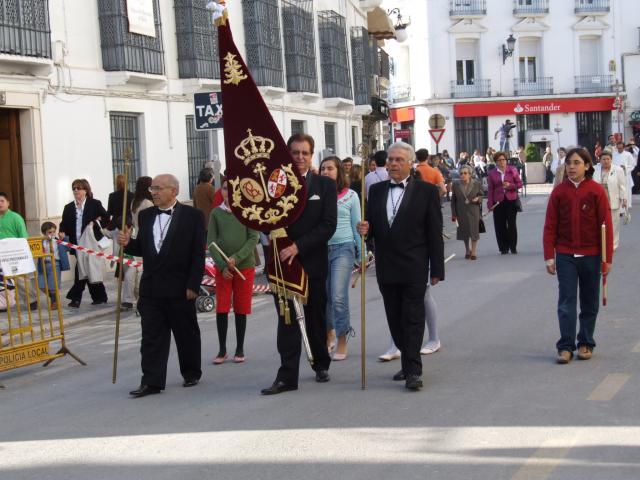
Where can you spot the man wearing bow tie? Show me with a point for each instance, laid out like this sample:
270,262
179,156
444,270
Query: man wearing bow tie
404,219
170,242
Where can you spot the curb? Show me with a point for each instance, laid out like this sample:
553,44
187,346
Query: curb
86,317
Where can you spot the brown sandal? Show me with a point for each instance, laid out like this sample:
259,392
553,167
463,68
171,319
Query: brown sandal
473,257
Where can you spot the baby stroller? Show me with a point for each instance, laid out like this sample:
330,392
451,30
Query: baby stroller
206,301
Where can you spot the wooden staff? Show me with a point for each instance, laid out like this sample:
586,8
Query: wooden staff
364,155
603,233
226,259
126,160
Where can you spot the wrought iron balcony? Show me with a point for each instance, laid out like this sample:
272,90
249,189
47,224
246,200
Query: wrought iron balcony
362,51
592,7
197,41
400,93
539,86
24,28
478,88
334,63
262,39
594,83
530,8
467,8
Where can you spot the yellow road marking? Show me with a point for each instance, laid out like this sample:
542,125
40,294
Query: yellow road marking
544,461
609,387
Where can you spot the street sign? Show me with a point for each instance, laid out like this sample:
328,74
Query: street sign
402,133
208,110
436,134
436,121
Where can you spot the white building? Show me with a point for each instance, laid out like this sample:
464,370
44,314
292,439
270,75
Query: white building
558,85
81,80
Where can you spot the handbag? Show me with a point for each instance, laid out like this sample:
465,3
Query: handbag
518,204
482,227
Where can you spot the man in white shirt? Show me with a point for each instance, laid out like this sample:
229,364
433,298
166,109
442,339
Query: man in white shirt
379,174
625,159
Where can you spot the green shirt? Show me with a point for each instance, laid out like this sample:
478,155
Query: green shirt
12,226
233,238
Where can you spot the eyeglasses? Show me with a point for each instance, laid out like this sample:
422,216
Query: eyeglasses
300,152
75,189
156,188
464,173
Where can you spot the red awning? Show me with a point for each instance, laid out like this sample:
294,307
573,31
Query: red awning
405,114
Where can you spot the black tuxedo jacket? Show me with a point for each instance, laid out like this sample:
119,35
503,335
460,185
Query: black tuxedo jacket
114,208
93,209
316,225
180,263
406,251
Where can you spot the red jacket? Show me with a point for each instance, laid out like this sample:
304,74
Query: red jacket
574,220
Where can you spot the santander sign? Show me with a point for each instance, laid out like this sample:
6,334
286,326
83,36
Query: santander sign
533,107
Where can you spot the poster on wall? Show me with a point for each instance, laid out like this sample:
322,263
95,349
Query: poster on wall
15,257
140,15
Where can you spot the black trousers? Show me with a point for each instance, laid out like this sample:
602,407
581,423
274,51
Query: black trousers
96,290
290,339
161,317
404,306
504,221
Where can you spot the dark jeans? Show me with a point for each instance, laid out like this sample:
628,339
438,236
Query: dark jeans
160,318
577,273
290,338
96,290
504,222
404,306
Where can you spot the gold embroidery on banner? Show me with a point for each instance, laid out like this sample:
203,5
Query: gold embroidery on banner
233,70
253,148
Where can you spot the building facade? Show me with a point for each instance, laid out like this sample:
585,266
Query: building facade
557,78
84,82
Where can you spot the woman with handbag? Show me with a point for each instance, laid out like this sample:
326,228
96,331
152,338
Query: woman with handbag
465,210
614,181
503,184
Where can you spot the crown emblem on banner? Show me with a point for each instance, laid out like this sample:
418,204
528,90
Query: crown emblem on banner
254,147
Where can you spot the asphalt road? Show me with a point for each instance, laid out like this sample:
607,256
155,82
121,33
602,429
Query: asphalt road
494,406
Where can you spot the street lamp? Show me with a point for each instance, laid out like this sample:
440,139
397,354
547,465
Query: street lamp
507,51
558,129
400,26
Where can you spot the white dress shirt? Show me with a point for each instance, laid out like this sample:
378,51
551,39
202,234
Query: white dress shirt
394,199
378,175
161,227
79,212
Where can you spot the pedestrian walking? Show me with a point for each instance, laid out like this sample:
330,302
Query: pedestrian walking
576,211
624,159
379,174
203,195
170,242
115,205
344,252
237,242
465,211
614,181
503,184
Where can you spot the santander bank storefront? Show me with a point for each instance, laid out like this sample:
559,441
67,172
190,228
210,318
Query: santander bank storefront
549,122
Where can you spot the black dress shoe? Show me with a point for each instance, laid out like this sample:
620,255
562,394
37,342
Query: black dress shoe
398,377
514,251
504,252
413,382
98,302
144,390
322,376
190,382
74,304
126,305
278,387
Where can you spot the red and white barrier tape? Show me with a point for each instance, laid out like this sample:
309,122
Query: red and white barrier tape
131,263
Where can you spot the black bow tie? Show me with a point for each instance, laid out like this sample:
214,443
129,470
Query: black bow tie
168,212
396,185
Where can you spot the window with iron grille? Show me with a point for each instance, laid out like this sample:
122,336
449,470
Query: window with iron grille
299,45
24,28
125,51
330,137
263,44
125,136
197,40
334,64
362,49
297,126
197,152
531,122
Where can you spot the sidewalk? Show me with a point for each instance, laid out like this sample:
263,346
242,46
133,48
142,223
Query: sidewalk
87,312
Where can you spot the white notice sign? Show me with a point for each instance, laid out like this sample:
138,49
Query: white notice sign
15,257
140,15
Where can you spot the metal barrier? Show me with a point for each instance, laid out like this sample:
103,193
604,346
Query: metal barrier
26,335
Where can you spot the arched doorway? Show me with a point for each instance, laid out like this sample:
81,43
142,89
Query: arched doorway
11,179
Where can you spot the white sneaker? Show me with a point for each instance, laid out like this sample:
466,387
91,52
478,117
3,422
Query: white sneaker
391,354
430,347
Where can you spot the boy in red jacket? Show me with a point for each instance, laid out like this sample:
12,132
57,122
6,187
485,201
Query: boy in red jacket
572,233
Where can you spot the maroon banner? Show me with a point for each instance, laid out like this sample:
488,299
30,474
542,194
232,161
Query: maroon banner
529,107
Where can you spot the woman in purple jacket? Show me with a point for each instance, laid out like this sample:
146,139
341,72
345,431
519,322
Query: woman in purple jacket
503,184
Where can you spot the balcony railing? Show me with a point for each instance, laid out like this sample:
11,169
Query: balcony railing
400,93
24,28
479,88
539,86
592,6
197,40
594,83
334,63
467,8
530,7
263,44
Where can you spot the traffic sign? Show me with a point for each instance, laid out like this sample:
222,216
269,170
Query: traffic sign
208,110
436,134
436,121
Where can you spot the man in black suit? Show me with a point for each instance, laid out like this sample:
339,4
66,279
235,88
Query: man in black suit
170,242
405,220
310,234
